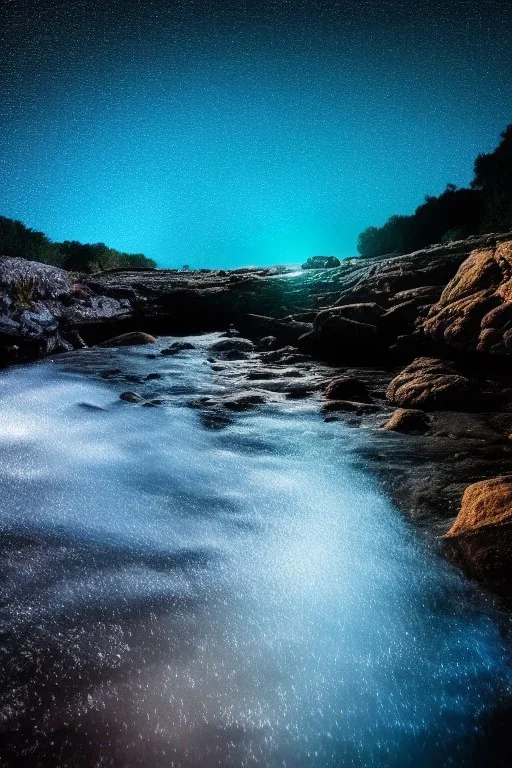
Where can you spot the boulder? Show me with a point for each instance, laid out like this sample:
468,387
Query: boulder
408,420
480,540
321,262
129,340
488,502
347,388
434,384
474,311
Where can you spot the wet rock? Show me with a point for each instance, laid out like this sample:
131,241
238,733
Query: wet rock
347,388
269,343
480,539
432,384
233,344
286,355
129,340
243,402
488,502
153,376
321,262
408,420
176,347
131,397
236,354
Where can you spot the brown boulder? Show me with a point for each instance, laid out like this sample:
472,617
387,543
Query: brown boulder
129,340
433,384
407,420
475,309
480,540
488,502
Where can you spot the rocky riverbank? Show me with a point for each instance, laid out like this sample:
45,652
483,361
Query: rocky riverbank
414,350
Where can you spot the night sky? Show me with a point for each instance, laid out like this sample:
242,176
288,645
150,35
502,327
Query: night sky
234,133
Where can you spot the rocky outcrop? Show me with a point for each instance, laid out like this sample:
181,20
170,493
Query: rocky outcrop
474,311
433,384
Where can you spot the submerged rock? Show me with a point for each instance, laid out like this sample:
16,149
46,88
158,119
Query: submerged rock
176,347
131,397
129,340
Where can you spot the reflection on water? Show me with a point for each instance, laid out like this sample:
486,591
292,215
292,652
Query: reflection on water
172,596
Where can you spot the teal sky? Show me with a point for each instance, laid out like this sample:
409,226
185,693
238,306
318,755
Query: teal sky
255,134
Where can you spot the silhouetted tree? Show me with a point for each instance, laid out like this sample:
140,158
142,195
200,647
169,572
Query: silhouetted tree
493,177
17,240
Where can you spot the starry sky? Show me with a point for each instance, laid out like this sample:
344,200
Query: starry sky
224,134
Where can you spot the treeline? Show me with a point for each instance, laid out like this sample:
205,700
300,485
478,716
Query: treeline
457,213
17,240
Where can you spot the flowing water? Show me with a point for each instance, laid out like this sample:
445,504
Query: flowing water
176,596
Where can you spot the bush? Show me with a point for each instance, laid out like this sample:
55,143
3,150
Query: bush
19,241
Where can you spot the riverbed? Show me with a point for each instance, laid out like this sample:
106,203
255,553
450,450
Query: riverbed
173,595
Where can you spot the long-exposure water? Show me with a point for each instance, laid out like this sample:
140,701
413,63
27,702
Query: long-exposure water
177,596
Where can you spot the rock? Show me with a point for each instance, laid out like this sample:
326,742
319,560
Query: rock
153,376
131,397
286,329
434,384
347,388
236,354
269,343
321,262
365,312
286,355
480,539
176,347
243,402
230,344
408,420
474,311
488,502
129,340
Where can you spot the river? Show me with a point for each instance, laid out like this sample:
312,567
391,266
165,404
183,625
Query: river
173,596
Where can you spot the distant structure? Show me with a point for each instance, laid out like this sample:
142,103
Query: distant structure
322,262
